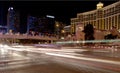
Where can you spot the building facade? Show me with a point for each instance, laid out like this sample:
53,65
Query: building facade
103,18
67,29
17,22
79,32
3,29
13,20
40,25
59,27
31,23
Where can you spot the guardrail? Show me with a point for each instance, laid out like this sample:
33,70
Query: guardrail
13,36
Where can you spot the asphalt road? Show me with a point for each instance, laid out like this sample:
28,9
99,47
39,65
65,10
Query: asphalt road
55,62
55,65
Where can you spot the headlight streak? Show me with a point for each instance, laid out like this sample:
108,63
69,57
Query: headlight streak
85,58
89,41
62,55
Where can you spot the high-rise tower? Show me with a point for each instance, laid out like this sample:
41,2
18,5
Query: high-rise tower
12,20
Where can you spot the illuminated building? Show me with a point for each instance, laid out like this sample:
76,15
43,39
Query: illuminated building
12,20
103,18
41,25
59,27
79,32
3,29
67,30
17,22
74,22
46,24
31,23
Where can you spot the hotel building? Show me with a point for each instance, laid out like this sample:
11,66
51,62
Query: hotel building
67,30
103,18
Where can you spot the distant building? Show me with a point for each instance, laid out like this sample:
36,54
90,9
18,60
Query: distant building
3,29
79,32
67,30
74,22
59,28
31,23
40,25
13,20
46,25
103,18
17,22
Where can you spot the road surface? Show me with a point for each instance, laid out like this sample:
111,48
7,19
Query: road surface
42,60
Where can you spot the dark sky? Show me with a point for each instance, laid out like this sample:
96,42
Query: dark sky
62,10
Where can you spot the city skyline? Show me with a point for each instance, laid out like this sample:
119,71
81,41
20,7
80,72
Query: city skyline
62,10
59,9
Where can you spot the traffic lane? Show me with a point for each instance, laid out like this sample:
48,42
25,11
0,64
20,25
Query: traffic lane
35,56
81,62
52,67
100,54
42,68
61,65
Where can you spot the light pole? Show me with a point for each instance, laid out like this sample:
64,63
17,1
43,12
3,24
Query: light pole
57,29
63,32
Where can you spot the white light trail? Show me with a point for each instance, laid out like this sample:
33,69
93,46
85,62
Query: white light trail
88,41
84,58
61,54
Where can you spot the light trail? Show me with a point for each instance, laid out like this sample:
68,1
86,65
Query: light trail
34,49
85,58
89,41
62,55
68,53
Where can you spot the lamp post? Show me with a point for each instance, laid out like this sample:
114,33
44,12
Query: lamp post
57,29
63,32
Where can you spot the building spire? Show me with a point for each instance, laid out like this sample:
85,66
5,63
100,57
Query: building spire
100,5
10,8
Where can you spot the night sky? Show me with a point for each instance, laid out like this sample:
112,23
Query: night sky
62,10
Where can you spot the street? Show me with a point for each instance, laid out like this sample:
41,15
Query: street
29,59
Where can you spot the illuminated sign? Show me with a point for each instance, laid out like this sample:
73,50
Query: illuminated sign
49,16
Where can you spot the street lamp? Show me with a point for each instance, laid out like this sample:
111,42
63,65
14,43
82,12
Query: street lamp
57,25
63,31
62,34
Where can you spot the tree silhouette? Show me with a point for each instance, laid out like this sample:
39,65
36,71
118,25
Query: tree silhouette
110,36
89,32
113,33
